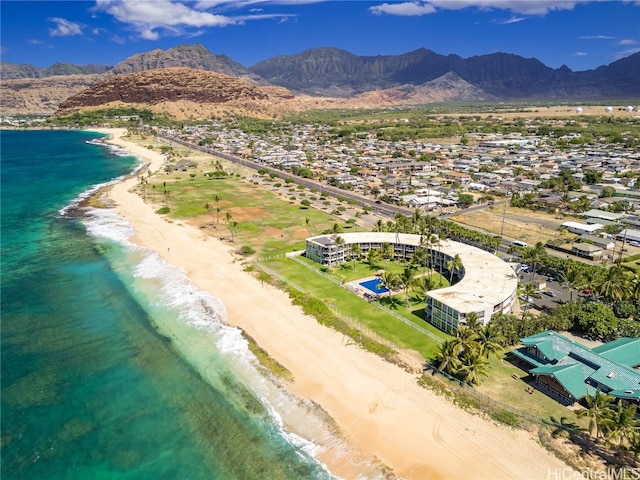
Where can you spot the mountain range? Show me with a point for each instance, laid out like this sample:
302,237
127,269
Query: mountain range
416,77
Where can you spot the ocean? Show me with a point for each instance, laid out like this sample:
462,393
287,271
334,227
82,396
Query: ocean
113,365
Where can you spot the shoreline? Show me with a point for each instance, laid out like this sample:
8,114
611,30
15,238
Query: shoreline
382,413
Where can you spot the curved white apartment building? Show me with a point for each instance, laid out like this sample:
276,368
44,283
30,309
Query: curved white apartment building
487,285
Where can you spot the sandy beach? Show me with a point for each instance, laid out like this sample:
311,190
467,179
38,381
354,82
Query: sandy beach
380,409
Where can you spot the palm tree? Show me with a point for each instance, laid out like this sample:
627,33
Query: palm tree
621,425
228,218
454,264
616,286
373,256
207,207
535,256
473,367
335,229
465,340
387,251
598,408
406,280
489,341
424,283
307,223
529,291
447,357
216,199
340,243
473,322
389,280
356,251
573,277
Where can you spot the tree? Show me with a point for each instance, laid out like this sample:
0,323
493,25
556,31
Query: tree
535,255
616,286
387,251
473,322
307,223
356,251
473,367
597,319
620,425
406,280
598,408
489,341
529,291
572,277
216,199
452,265
389,280
231,224
465,340
447,357
373,256
208,208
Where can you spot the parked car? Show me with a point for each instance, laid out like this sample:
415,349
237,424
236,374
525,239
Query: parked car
549,293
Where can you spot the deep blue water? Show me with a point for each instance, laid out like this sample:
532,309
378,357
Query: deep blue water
374,286
113,366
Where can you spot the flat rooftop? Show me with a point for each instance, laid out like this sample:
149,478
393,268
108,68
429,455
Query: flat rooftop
487,281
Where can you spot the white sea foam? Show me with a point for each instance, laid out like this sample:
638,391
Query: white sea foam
91,190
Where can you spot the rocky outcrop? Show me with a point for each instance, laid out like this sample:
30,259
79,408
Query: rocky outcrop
196,91
190,56
13,71
42,95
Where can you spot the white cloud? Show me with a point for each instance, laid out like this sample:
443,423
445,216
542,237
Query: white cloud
153,18
628,41
64,28
513,20
581,54
596,37
527,7
406,9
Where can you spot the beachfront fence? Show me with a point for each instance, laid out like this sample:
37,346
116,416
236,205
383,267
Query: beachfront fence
491,404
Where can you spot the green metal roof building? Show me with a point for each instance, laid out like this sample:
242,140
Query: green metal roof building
568,371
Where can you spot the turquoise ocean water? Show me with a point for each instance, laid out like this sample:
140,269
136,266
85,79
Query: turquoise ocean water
113,365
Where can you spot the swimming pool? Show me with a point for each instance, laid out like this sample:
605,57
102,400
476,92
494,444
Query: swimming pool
372,286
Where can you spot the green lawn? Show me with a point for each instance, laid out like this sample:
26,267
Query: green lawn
352,306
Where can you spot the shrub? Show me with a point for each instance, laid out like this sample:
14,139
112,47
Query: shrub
163,210
246,250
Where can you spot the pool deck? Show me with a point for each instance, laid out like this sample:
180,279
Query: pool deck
355,287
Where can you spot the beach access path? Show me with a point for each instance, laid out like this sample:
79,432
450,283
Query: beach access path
379,408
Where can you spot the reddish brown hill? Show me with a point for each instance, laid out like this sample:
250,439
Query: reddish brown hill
195,93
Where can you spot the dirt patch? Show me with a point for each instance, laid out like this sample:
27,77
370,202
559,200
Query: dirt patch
514,223
299,232
241,214
272,232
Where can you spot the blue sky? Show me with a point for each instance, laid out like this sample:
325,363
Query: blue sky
582,34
